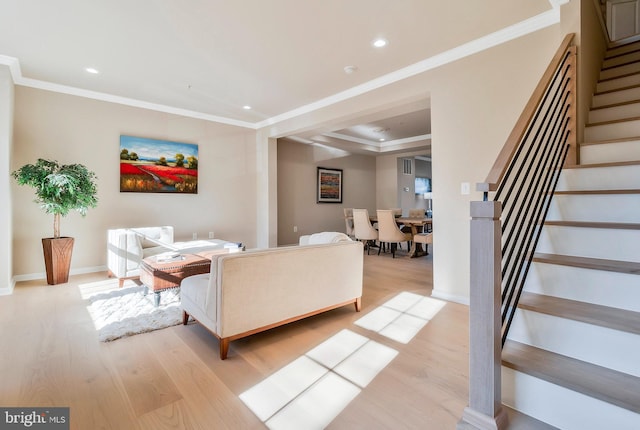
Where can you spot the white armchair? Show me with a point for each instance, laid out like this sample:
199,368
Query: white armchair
126,247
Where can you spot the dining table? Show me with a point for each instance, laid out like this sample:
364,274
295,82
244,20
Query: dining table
414,223
416,249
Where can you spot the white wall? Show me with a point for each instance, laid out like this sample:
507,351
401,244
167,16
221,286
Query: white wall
297,184
474,107
387,184
591,43
79,130
6,131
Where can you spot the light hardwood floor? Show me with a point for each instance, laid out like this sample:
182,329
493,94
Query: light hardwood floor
173,378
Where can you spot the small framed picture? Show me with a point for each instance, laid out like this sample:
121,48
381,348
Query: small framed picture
329,185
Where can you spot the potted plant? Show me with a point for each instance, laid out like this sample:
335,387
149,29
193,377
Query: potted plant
59,190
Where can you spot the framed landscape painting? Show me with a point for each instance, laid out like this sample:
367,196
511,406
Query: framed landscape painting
329,185
158,166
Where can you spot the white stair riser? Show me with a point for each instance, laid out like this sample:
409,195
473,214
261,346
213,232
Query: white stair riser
601,243
595,207
600,178
600,287
614,84
621,59
618,130
561,407
601,346
622,96
626,111
610,152
619,71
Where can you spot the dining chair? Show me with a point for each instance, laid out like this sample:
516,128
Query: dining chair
348,221
389,232
425,239
362,228
416,213
397,212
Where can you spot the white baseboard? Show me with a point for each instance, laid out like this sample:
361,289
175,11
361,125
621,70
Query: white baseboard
6,291
43,275
450,297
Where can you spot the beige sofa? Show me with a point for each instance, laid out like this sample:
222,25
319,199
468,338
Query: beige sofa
256,290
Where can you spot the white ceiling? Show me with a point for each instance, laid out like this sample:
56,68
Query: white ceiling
209,58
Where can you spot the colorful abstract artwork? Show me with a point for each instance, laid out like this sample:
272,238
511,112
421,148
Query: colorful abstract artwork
329,185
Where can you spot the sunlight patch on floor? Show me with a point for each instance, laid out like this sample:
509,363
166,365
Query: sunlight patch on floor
275,392
402,317
312,390
317,406
89,289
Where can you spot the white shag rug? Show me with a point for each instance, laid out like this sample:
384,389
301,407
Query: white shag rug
128,311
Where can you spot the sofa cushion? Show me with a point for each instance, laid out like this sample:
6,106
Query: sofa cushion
150,236
197,246
327,237
154,250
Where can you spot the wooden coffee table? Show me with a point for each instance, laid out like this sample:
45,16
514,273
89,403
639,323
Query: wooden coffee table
158,276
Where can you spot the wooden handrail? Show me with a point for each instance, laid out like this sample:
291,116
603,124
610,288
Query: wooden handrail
511,145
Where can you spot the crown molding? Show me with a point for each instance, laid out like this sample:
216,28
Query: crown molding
14,67
375,144
80,92
352,139
558,3
406,140
538,22
507,34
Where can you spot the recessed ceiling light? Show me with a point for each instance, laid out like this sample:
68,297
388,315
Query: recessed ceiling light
379,43
381,139
350,69
92,70
246,107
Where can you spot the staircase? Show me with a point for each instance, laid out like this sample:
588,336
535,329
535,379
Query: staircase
572,357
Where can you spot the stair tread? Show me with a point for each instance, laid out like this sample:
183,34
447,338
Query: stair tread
626,191
617,104
595,224
619,140
521,421
617,77
608,164
608,385
613,121
603,316
611,53
615,66
630,267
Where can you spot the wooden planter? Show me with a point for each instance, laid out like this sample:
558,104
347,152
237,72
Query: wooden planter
57,258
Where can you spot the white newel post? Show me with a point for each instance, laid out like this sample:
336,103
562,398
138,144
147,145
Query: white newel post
485,398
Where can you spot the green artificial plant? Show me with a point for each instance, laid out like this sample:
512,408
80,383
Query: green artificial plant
59,188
